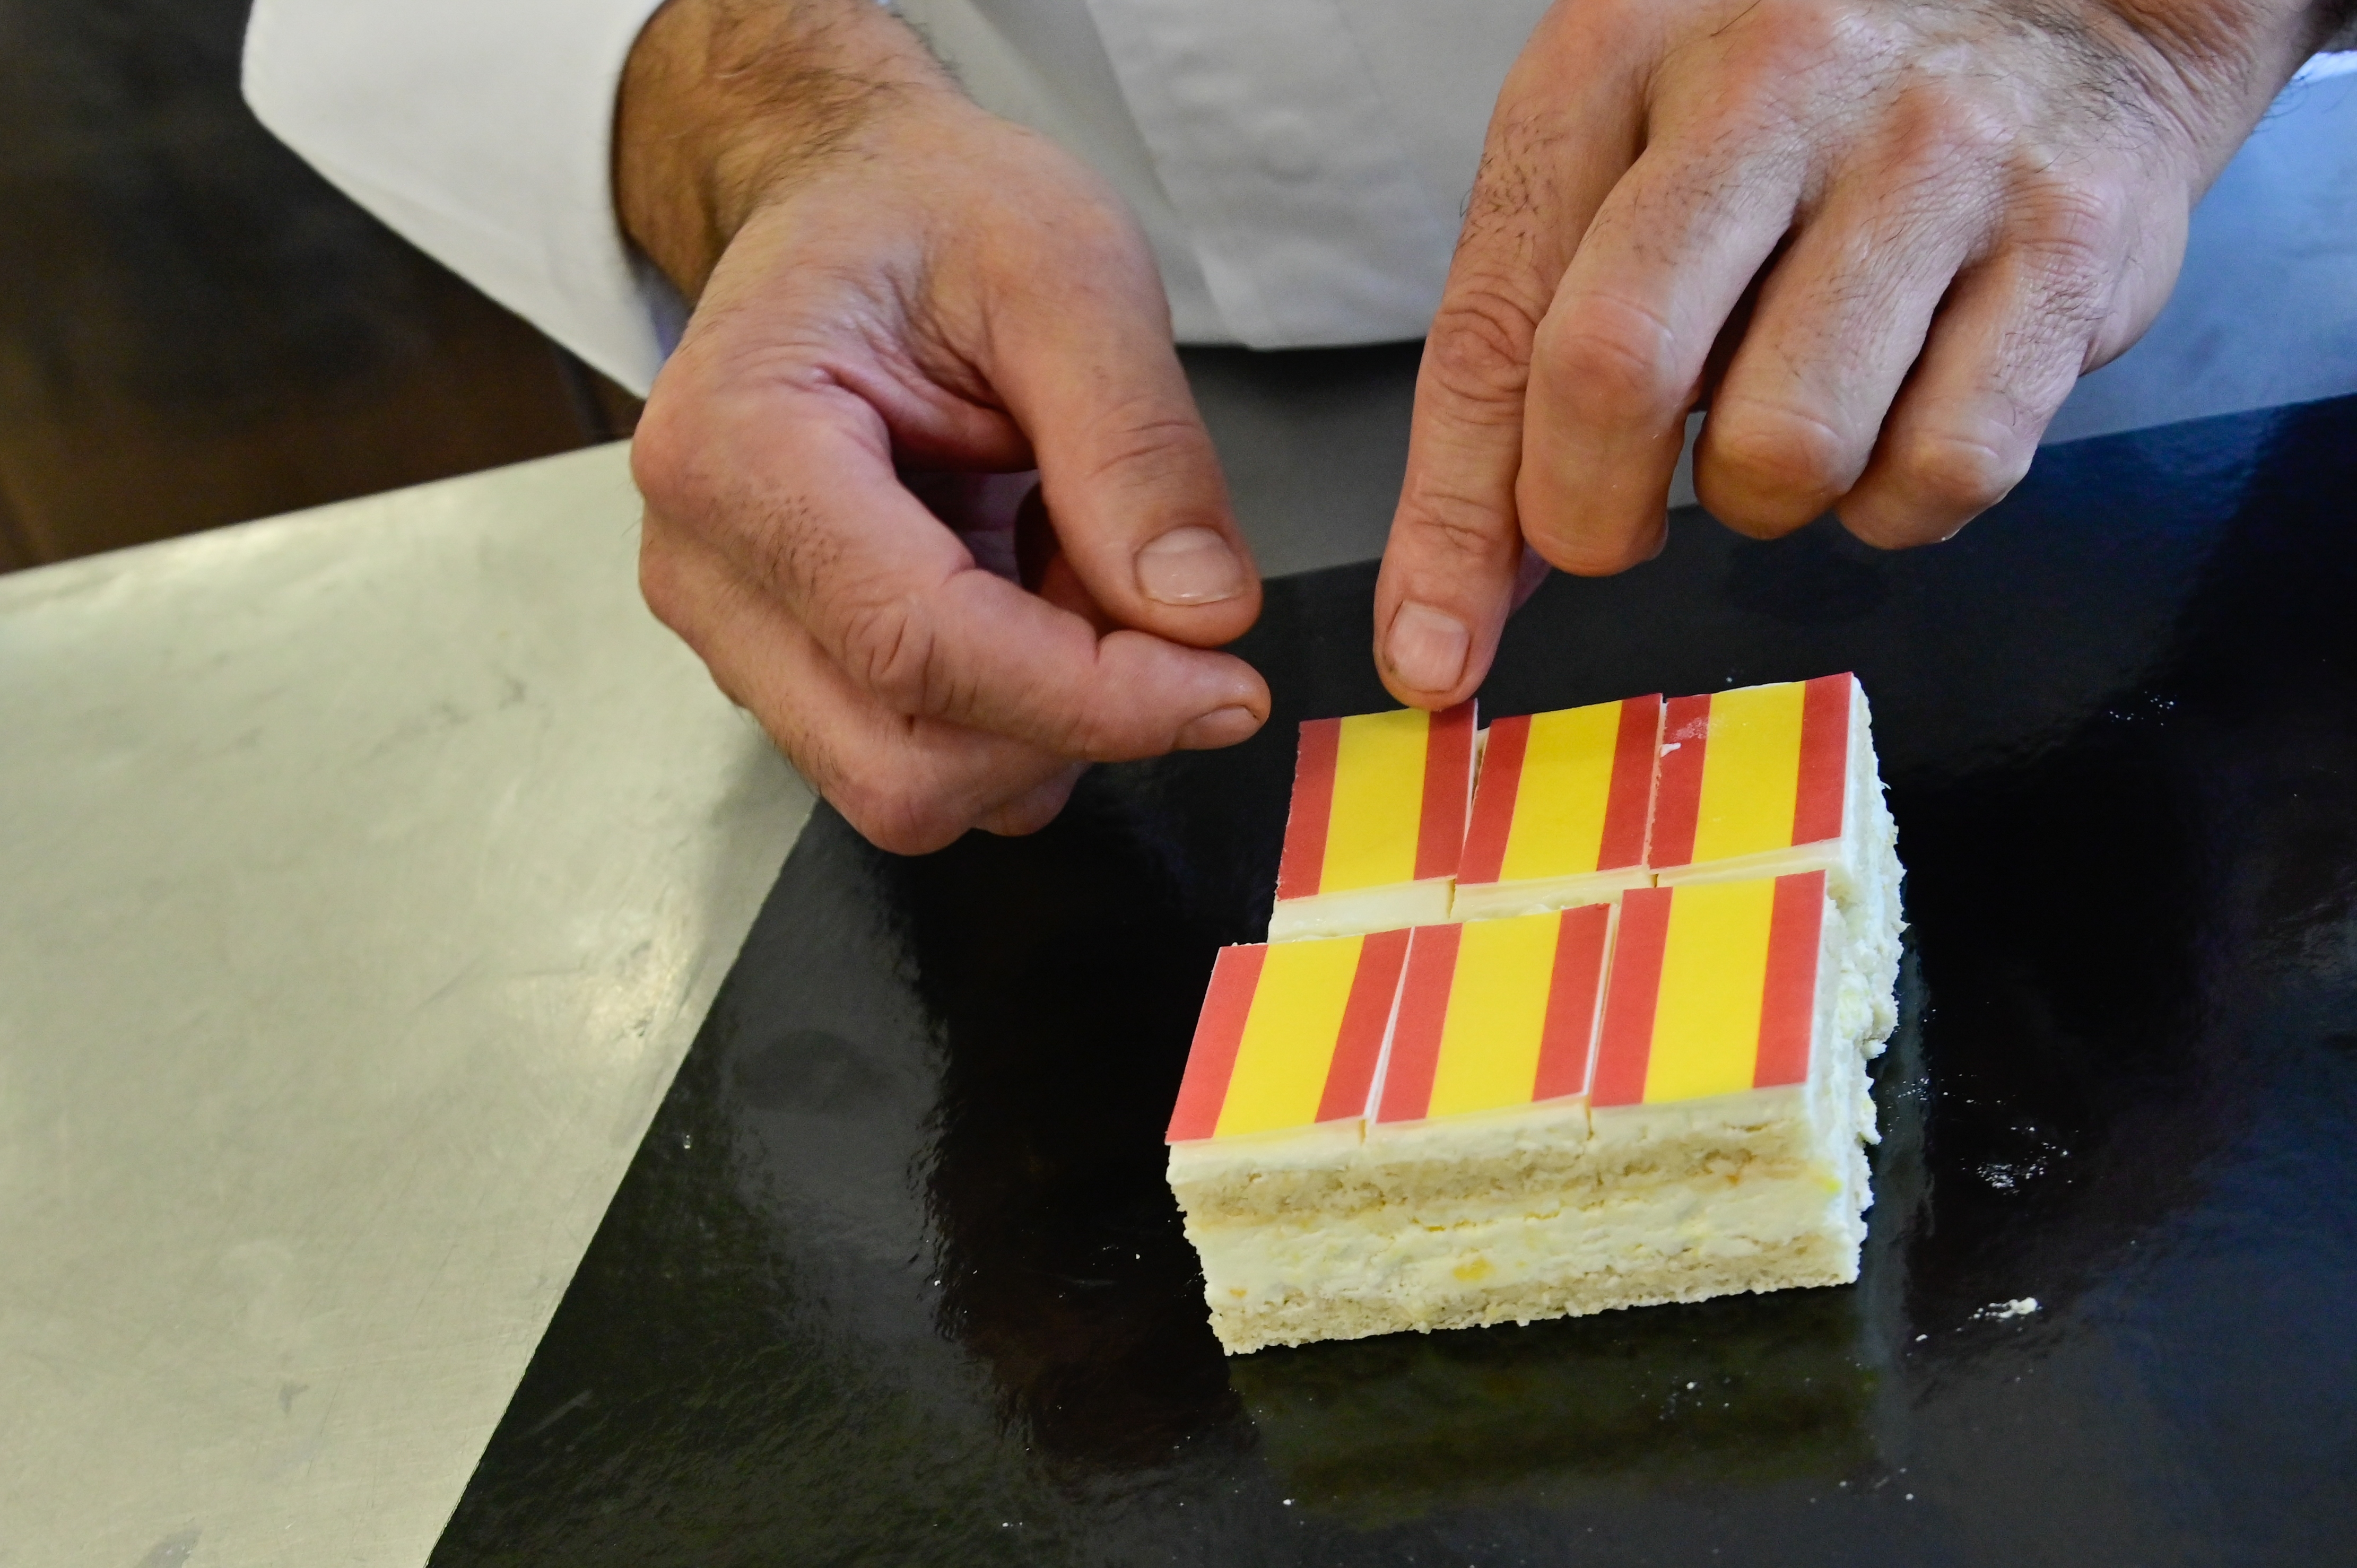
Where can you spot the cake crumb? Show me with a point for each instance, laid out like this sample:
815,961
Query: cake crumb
1997,1311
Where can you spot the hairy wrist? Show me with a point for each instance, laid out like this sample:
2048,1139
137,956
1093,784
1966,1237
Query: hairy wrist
726,103
2215,64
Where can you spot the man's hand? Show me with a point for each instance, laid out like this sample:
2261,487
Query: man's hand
1882,238
893,290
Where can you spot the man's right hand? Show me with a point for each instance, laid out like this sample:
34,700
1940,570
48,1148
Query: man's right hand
887,279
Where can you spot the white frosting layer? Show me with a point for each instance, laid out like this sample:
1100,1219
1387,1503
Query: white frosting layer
1497,900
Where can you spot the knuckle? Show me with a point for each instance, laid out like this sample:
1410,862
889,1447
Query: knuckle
2068,232
1589,557
896,814
1096,734
660,581
1939,126
1957,476
1479,350
1795,42
888,647
662,455
1783,452
1613,362
1143,441
1451,529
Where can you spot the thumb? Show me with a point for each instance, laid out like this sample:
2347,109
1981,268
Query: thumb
1082,358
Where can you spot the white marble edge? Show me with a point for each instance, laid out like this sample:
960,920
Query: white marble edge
369,872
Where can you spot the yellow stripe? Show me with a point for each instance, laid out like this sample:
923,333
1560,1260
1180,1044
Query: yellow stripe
1378,800
1289,1034
1751,771
1566,783
1497,1012
1714,968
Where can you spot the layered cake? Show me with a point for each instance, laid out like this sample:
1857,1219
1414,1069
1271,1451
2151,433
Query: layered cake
1560,813
1377,822
1658,1095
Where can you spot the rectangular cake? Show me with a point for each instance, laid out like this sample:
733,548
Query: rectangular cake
1377,822
1643,1079
1274,1103
1560,809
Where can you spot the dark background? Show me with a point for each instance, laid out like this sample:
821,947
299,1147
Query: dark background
196,329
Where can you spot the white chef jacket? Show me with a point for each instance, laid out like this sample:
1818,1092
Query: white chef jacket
1298,167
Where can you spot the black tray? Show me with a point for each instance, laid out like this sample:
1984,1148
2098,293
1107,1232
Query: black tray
895,1279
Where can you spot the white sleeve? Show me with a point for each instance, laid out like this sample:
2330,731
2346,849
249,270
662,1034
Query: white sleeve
481,130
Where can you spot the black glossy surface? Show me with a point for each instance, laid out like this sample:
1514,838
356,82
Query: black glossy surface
195,327
895,1279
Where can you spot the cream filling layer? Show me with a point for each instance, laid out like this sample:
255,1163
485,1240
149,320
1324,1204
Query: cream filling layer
1632,1231
1357,911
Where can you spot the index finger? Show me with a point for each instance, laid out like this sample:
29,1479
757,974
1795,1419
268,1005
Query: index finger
1552,155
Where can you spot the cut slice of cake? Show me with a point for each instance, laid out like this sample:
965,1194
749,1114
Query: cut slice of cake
1730,1104
1274,1102
1560,809
1481,1090
1377,823
1768,781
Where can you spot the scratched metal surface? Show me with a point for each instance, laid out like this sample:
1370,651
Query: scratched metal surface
894,1277
363,877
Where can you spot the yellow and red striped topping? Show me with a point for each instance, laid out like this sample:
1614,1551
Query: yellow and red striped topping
1496,1013
1714,990
1564,794
1759,769
1290,1035
1378,798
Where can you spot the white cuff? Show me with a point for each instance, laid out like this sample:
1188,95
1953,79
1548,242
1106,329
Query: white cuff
483,134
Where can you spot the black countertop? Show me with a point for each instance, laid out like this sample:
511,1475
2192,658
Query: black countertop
895,1278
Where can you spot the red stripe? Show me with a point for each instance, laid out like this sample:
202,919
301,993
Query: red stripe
1493,799
1304,864
1788,1008
1423,1009
1351,1072
1630,805
1580,945
1448,779
1219,1030
1677,798
1626,1045
1825,759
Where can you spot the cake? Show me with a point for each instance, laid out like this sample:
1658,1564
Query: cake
1377,822
1273,1107
1522,1152
1659,1094
1560,813
1765,780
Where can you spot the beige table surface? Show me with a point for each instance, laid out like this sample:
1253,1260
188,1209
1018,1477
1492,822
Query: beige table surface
363,877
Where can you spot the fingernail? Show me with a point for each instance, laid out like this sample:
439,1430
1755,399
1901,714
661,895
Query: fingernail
1427,648
1189,566
1220,727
